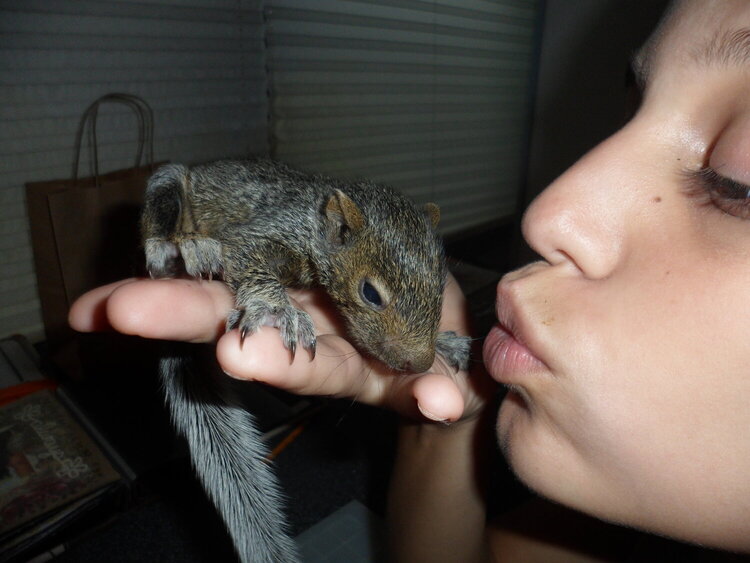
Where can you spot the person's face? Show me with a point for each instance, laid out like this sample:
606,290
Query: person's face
630,392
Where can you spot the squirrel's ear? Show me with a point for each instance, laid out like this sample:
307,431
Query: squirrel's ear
433,214
343,216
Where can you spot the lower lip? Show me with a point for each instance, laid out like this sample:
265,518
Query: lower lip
507,360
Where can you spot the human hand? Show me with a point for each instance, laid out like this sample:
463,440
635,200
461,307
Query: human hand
195,311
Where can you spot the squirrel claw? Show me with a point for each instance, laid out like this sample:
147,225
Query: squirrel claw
295,326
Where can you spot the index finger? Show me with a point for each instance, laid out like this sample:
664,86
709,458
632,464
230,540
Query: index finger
338,370
169,309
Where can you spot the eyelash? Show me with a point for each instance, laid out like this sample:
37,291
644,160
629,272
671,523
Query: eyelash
711,188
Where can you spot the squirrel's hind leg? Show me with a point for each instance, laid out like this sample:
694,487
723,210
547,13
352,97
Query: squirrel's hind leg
161,219
201,256
168,230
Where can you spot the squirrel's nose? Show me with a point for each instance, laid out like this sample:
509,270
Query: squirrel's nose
419,363
405,356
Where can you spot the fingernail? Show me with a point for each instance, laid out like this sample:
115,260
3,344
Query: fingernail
429,415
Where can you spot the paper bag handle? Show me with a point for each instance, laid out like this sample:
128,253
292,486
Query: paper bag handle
145,116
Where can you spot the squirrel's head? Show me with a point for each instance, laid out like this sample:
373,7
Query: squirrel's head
387,275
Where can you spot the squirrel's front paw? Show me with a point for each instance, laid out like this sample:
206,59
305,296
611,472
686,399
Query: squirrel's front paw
454,348
294,325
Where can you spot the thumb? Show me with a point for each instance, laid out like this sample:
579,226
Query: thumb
438,397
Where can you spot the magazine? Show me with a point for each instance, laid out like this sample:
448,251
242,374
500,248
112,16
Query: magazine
56,470
46,460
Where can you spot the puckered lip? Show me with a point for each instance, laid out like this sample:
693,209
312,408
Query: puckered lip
510,350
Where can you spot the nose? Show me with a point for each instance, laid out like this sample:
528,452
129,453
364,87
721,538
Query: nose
409,356
419,363
580,219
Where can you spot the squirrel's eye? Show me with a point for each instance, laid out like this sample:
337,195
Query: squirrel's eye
370,295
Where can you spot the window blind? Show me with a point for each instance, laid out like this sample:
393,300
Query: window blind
199,63
428,96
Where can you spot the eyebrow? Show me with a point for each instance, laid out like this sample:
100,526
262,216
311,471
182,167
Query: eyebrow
728,47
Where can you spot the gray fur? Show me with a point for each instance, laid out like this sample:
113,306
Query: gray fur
231,450
264,227
454,348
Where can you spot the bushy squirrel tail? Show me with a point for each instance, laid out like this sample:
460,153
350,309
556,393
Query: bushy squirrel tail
230,459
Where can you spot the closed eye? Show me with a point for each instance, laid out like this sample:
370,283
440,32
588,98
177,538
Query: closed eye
727,195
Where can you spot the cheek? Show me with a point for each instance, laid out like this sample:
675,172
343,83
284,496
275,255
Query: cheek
651,378
664,356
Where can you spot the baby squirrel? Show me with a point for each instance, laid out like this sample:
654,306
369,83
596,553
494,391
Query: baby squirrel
262,227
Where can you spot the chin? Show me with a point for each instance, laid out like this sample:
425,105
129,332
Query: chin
542,459
514,430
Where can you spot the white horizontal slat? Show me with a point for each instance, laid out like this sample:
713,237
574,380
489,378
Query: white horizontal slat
508,8
430,78
296,60
28,323
293,113
451,174
386,50
17,269
297,53
299,100
15,240
120,128
128,43
221,92
16,255
217,4
9,283
118,18
122,154
385,135
323,141
12,195
373,164
135,60
478,33
419,9
408,117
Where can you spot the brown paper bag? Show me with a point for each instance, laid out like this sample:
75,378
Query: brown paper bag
84,231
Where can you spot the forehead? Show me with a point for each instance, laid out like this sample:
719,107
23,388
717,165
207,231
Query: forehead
704,32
